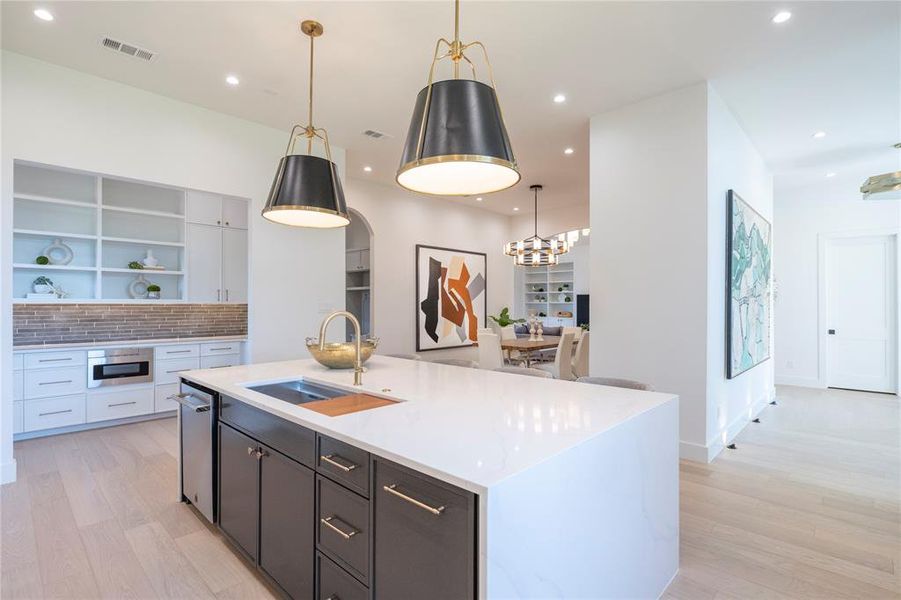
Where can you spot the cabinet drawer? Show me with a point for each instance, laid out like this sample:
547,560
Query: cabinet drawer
18,362
167,371
51,360
343,527
180,351
18,385
18,417
334,582
343,463
103,406
53,412
217,348
288,438
215,362
42,383
161,394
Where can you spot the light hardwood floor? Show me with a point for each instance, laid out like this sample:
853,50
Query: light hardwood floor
806,507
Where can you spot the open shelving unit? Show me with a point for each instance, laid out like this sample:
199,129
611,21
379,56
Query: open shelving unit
107,223
544,298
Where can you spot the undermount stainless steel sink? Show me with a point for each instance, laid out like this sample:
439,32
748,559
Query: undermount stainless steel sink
297,392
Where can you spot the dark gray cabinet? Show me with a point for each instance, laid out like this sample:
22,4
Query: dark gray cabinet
286,523
424,536
239,497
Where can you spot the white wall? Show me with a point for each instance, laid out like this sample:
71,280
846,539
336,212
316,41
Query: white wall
550,220
803,216
658,255
63,117
399,221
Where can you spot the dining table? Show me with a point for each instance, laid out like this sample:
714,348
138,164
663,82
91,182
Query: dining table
526,346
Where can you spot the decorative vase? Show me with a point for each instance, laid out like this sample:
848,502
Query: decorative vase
540,332
138,288
42,288
532,337
150,260
58,253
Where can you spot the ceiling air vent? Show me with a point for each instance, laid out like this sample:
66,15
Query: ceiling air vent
376,135
126,48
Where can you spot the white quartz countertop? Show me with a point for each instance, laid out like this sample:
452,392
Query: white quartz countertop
469,427
145,342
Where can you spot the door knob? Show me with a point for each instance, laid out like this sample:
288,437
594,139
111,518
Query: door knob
831,332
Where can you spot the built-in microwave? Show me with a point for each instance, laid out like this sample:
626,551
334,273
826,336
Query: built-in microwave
119,366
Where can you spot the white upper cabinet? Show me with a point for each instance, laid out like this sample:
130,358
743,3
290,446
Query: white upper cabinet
203,208
234,213
204,258
215,210
234,265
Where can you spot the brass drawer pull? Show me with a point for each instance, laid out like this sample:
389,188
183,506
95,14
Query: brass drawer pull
54,382
327,521
330,459
56,412
392,489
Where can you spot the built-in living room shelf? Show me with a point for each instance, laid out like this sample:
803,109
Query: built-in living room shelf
548,293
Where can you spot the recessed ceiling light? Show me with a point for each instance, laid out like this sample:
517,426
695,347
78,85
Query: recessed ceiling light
568,151
559,98
479,199
781,17
368,169
43,14
232,80
515,208
819,134
830,174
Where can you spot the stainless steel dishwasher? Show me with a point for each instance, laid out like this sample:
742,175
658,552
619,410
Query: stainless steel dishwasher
197,416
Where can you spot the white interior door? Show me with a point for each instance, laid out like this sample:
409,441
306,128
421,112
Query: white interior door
861,310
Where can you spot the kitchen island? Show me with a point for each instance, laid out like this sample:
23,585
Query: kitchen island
560,489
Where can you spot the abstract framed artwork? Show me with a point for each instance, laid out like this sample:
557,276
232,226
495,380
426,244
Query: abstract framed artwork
451,297
749,287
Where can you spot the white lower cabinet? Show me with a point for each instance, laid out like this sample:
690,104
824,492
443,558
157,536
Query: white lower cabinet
18,385
215,362
161,402
18,417
49,413
111,403
167,371
43,383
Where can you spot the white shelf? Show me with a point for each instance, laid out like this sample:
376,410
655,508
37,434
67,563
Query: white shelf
36,198
54,234
141,271
139,211
52,267
142,242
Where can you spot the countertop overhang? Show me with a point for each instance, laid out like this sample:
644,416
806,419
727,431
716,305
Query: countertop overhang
469,427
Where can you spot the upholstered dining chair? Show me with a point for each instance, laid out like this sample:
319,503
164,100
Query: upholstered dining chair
509,333
562,367
580,356
616,382
524,371
490,354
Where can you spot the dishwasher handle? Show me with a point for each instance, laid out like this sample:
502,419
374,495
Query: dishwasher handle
191,401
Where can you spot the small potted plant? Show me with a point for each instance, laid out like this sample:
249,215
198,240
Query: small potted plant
153,291
42,285
135,265
42,260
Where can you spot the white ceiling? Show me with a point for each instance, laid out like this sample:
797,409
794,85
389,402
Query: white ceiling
834,67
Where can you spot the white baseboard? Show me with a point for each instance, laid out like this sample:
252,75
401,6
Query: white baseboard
8,471
811,382
706,453
693,452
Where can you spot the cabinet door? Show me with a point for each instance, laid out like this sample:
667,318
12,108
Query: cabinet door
234,213
203,208
204,261
286,523
424,536
239,487
234,265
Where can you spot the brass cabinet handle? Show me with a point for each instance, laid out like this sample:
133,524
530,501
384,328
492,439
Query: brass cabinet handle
333,597
327,521
54,382
330,459
392,489
257,453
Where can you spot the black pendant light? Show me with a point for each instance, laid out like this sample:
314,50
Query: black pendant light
306,191
457,144
535,251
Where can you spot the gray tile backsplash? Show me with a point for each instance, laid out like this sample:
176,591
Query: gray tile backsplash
74,323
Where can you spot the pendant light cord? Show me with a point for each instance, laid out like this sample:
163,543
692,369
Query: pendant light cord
536,212
310,113
456,49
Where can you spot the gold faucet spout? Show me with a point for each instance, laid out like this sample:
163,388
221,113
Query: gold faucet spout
358,344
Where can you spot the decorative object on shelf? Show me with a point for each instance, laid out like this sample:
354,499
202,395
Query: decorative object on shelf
535,251
541,314
568,299
150,260
138,289
42,285
564,314
47,296
42,260
539,330
748,316
58,253
135,265
306,191
533,328
153,292
451,301
457,144
503,319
